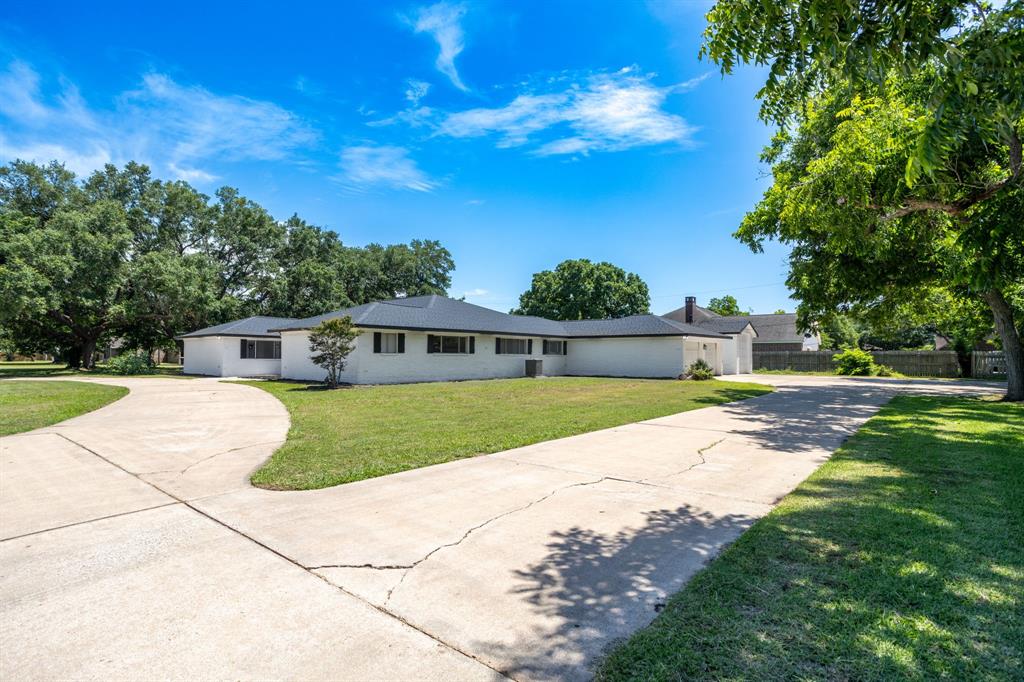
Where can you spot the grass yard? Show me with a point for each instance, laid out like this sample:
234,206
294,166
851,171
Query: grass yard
355,433
27,405
48,369
900,558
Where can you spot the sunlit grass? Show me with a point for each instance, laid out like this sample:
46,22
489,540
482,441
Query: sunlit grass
27,405
355,433
900,558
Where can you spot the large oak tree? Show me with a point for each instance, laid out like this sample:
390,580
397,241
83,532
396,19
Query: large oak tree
122,255
582,290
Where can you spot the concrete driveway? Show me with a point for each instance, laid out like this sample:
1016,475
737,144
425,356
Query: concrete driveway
131,544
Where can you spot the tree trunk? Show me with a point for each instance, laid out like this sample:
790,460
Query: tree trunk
1003,314
89,354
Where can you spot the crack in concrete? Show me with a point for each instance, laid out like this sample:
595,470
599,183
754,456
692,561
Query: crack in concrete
407,568
80,523
226,452
380,609
700,454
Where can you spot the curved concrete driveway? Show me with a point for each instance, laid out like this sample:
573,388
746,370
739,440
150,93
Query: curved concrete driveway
135,542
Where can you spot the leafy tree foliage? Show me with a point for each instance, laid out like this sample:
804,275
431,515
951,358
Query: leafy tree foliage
580,289
897,167
838,330
726,305
331,341
780,311
123,255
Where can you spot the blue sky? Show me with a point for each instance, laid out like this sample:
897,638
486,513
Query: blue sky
519,134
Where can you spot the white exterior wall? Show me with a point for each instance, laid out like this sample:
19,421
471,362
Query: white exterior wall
744,352
204,356
237,366
651,357
626,357
730,355
415,364
220,356
708,350
296,362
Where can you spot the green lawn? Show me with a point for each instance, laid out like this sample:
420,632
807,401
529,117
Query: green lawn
355,433
27,405
48,369
900,558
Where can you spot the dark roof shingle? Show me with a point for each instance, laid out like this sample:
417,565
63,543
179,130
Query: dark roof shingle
248,326
439,313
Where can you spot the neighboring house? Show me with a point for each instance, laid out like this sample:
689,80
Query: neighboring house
434,338
774,332
242,348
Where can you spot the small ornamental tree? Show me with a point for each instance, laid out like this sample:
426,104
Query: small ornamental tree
330,342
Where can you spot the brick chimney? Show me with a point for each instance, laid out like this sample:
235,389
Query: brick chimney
691,303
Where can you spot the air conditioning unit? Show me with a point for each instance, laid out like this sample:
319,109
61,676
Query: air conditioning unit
534,368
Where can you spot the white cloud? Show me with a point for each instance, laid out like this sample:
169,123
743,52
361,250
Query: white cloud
172,127
475,293
385,166
19,95
415,90
442,22
602,112
414,115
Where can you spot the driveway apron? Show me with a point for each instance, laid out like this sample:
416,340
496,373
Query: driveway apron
133,544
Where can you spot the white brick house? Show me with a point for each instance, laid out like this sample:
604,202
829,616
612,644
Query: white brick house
433,338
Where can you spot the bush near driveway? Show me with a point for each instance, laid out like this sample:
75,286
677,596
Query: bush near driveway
900,558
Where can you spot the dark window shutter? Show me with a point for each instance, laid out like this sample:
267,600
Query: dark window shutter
529,346
242,350
472,344
401,343
497,346
430,343
565,347
376,342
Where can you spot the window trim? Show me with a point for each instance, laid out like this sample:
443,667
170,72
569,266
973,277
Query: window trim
562,348
379,344
244,349
500,348
466,344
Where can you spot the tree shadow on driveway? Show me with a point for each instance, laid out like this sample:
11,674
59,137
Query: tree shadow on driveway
593,588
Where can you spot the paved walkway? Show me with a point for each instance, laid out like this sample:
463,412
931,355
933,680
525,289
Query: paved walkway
132,545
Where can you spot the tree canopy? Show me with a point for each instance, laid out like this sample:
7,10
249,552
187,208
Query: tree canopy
580,290
726,305
123,255
897,165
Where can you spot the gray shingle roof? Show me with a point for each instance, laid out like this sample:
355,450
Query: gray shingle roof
249,326
438,313
726,325
635,325
780,328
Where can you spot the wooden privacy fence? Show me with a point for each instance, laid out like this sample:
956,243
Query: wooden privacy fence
988,364
913,363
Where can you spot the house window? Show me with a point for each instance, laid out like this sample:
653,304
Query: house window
554,347
251,349
388,343
513,346
452,345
